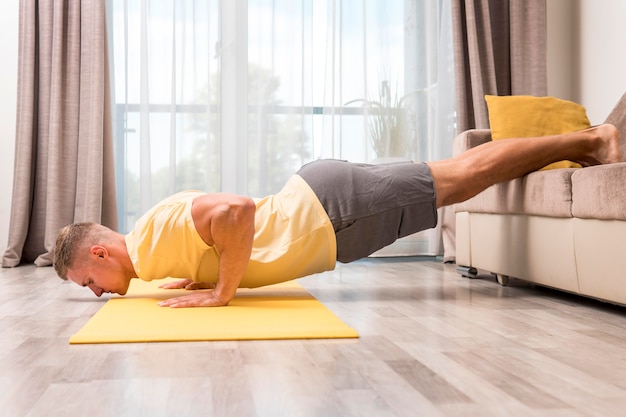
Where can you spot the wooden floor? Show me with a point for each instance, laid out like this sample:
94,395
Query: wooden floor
432,344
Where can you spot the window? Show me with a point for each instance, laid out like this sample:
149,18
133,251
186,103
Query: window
236,95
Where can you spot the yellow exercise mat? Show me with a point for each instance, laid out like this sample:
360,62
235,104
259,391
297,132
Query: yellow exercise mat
281,311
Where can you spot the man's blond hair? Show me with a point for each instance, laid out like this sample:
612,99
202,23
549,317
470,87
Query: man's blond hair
72,240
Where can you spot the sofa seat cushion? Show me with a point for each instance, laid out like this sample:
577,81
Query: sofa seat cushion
541,193
600,192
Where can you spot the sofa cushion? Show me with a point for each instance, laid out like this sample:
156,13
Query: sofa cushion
599,192
541,193
529,116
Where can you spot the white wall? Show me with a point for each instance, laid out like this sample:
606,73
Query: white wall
600,78
9,19
587,53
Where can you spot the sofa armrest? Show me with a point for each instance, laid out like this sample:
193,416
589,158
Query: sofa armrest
462,142
470,139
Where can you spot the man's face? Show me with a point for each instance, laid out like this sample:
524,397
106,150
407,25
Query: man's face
100,278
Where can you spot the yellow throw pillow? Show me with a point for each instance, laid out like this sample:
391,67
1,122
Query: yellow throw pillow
530,116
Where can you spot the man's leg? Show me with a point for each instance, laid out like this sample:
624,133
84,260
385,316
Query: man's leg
462,177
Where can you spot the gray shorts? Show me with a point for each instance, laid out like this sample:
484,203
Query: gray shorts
370,206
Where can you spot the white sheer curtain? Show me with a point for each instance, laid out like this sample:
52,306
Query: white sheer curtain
235,95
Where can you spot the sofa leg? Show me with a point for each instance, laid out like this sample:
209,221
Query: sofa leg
502,279
467,271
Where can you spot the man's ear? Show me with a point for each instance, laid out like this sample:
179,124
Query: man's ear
98,251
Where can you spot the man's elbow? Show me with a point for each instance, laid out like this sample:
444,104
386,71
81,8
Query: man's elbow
243,207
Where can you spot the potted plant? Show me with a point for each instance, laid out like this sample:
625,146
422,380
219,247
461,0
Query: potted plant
390,121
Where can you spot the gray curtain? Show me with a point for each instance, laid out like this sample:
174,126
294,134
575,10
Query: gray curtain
63,152
499,49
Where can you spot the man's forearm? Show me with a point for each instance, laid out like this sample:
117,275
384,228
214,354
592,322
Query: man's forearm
231,273
234,235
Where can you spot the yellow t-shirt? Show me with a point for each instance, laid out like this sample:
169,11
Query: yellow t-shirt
293,238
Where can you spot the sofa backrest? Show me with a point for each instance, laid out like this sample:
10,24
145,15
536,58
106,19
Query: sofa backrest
617,117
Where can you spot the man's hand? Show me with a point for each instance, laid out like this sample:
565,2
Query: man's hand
188,285
198,299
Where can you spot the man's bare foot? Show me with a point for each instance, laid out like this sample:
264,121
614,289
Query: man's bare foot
606,149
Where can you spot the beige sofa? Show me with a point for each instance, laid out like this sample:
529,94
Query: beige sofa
563,228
